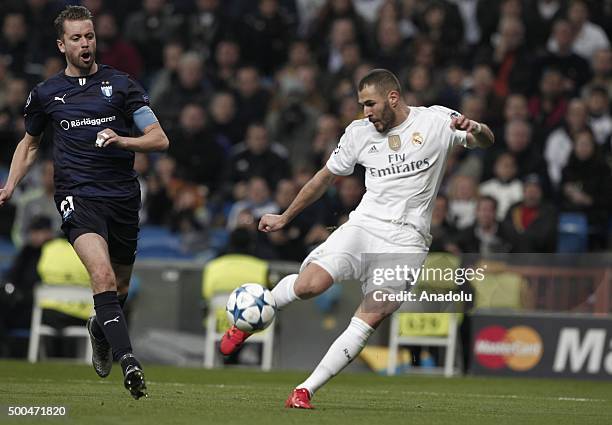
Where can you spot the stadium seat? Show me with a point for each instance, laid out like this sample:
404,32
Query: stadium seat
7,249
156,236
427,329
163,252
63,294
159,242
573,233
219,278
217,323
441,332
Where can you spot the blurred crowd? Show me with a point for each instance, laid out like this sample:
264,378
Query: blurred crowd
255,94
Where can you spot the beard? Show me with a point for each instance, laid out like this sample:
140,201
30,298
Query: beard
386,119
83,63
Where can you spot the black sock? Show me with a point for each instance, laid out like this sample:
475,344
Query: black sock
110,318
127,361
96,329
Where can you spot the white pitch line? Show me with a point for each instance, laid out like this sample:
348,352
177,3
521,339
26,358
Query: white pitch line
510,396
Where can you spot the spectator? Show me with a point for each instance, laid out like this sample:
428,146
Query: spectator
113,50
342,32
559,143
287,77
504,187
329,14
515,108
258,202
202,160
257,157
483,87
442,231
11,116
549,105
452,87
441,23
227,58
190,87
207,26
485,236
545,12
531,225
166,77
509,57
588,37
519,143
150,28
160,188
293,126
14,42
600,120
327,135
601,63
251,98
223,123
289,242
350,192
574,68
190,217
462,201
586,186
391,49
266,35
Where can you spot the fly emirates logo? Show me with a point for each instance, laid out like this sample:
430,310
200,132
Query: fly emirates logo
398,165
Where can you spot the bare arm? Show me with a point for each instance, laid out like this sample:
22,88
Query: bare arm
23,158
479,135
311,191
153,140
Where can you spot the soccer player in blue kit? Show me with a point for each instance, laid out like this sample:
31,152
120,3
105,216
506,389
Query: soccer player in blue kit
93,109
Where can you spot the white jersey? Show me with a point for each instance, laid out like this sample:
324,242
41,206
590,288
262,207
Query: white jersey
404,166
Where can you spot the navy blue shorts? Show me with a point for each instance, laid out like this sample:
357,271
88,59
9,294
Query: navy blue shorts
116,220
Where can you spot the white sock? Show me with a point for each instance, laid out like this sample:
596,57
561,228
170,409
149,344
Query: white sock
344,349
283,292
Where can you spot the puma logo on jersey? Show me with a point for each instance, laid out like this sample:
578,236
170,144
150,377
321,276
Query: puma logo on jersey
61,99
116,319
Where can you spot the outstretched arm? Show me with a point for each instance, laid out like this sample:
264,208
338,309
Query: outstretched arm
311,191
479,135
23,158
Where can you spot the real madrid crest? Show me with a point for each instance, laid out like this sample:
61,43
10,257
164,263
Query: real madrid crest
395,143
417,139
107,90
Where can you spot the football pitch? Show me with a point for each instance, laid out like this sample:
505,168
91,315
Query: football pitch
246,397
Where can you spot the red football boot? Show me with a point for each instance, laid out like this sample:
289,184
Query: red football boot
299,399
232,339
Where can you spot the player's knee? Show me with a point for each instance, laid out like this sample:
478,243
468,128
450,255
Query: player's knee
103,279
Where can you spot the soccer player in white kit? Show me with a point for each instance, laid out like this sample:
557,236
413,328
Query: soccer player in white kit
404,151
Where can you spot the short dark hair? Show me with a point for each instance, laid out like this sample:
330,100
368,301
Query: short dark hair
71,13
382,79
488,198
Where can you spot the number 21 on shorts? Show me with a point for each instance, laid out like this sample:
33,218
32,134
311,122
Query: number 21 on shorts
67,207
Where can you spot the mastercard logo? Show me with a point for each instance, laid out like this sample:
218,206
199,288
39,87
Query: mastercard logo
518,348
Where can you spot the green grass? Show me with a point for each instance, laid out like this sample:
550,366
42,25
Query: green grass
238,396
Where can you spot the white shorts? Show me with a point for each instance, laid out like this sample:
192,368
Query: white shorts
342,255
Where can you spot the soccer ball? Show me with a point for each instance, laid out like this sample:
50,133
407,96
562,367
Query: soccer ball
251,307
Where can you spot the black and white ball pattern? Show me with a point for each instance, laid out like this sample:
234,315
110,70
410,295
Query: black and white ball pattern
251,307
